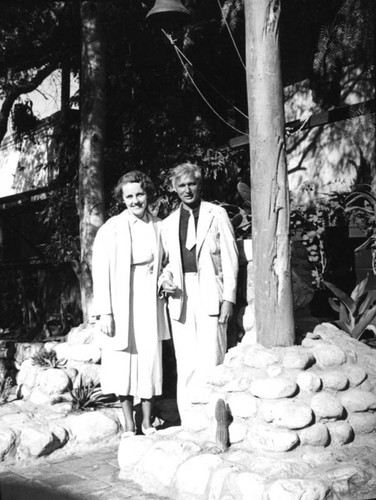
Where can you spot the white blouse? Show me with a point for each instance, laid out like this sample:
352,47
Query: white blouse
143,240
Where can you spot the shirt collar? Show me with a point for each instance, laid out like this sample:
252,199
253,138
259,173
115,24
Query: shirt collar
133,219
194,210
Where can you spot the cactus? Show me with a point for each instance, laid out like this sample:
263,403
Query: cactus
222,415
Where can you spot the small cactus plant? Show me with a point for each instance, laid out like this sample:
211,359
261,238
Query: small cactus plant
223,417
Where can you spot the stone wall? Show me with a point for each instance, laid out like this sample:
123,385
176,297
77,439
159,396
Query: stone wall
303,426
38,418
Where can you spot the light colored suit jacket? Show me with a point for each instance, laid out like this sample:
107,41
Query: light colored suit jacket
216,254
111,281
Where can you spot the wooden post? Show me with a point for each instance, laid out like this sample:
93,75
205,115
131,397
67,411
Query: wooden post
269,187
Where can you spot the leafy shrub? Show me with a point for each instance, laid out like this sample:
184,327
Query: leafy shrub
47,359
310,223
357,311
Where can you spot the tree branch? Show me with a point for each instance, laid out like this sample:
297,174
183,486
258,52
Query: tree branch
15,90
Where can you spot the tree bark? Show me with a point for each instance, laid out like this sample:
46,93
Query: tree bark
269,186
90,190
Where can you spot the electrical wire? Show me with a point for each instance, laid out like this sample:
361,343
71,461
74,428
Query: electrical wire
180,56
205,100
210,85
231,35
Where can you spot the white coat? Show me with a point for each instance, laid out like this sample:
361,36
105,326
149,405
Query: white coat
111,281
216,254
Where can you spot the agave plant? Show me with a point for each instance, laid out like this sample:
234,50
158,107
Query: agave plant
357,311
87,396
47,359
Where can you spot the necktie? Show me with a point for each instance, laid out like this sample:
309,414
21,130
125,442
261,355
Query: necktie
190,242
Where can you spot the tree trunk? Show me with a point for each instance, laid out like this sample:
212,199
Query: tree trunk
269,186
65,91
90,190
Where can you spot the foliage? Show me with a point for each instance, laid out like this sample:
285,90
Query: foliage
33,43
348,38
36,25
357,311
87,396
39,303
47,359
361,205
23,119
241,214
61,218
310,224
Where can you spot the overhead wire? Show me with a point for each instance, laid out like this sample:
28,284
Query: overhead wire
210,85
231,35
207,102
180,55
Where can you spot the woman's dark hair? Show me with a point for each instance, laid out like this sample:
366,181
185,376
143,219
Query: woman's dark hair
135,176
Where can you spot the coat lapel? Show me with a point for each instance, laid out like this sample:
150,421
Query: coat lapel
175,244
204,221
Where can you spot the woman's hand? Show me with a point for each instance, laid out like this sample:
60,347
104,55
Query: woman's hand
107,325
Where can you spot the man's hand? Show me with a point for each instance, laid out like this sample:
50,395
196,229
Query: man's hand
227,309
107,325
168,287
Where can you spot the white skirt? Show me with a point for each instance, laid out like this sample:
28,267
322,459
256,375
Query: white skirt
136,371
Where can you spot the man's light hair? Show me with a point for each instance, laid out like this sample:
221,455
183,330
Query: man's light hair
183,170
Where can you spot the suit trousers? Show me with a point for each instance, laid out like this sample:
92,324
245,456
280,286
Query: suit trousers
200,345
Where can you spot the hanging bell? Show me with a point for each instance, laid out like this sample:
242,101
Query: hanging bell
168,14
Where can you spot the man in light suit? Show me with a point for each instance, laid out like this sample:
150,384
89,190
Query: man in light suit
199,280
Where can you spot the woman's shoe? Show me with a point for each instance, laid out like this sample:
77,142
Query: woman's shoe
149,431
127,434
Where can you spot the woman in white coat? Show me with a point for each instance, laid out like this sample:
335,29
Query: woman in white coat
127,259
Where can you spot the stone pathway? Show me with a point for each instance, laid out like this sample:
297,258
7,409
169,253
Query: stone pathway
86,476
